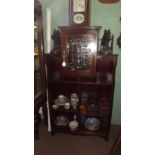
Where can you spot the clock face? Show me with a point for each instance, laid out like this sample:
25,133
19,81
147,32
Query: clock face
78,18
79,5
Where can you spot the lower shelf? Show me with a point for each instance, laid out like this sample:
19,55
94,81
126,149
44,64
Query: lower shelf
99,132
102,132
63,129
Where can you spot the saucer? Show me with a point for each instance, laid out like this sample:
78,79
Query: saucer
55,106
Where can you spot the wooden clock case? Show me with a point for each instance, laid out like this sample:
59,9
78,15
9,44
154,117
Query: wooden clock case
85,13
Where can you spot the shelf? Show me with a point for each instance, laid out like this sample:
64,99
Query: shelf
102,132
95,114
80,131
81,82
62,109
65,129
98,132
100,79
57,129
78,28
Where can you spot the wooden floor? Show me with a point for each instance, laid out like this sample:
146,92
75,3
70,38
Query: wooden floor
66,144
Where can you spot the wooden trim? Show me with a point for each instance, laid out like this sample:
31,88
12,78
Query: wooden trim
39,94
37,7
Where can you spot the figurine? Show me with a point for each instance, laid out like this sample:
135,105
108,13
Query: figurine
119,41
107,43
56,41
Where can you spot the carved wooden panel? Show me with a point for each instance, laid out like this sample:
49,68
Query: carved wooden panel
79,49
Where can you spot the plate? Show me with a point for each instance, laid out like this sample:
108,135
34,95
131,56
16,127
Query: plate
92,123
61,120
60,103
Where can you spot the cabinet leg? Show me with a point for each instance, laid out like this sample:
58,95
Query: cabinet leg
37,120
44,109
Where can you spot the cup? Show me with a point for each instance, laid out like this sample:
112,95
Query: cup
67,105
55,106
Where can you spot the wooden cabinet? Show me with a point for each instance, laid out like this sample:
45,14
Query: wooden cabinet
39,64
39,70
94,84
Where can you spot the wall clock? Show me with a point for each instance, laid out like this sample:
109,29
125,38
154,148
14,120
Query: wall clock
79,12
